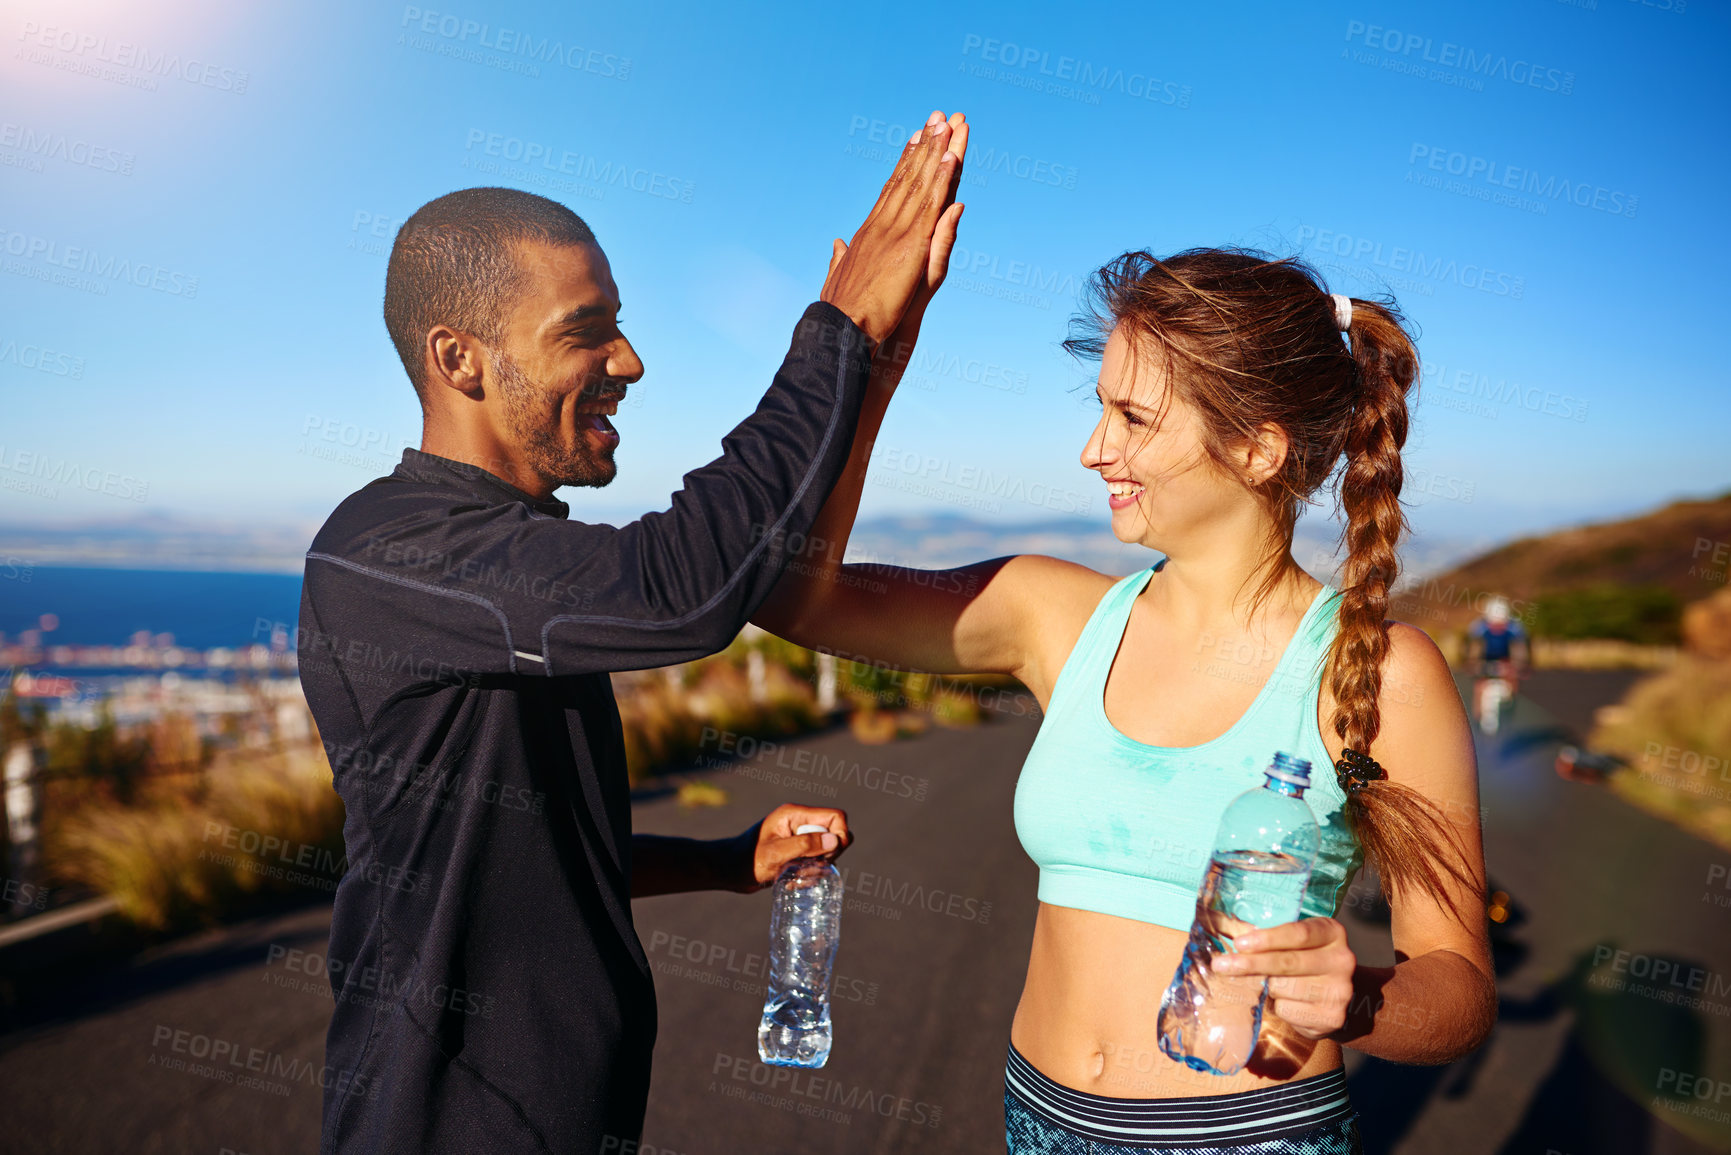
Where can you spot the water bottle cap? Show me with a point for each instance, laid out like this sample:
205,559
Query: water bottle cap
1289,768
810,828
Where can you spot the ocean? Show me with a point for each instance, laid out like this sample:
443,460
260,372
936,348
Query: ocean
106,607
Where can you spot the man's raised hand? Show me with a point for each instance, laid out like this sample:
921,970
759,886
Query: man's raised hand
894,259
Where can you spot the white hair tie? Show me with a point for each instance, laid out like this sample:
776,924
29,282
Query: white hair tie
1342,311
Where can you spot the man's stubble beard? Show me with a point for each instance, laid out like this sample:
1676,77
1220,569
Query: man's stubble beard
532,415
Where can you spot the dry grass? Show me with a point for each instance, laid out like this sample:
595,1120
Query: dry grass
1569,653
664,717
1674,730
190,847
1600,654
188,852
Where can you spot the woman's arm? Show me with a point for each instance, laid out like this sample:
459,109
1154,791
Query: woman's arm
1439,1000
975,619
981,618
953,621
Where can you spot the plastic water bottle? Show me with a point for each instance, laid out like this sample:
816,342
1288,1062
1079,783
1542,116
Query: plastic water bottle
804,929
1263,854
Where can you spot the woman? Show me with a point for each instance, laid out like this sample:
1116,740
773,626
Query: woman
1231,386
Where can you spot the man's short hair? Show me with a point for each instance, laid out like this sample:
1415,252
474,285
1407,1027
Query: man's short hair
453,263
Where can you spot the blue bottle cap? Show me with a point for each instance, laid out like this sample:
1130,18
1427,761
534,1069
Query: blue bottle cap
1289,768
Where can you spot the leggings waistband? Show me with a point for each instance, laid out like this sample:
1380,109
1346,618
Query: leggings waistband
1205,1120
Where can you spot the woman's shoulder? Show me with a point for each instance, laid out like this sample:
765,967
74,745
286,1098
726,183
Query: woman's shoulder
1053,587
1417,702
1058,598
1415,662
1424,724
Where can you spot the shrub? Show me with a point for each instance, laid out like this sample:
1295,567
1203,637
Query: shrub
1650,615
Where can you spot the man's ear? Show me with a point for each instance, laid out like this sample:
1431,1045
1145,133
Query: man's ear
455,360
1265,452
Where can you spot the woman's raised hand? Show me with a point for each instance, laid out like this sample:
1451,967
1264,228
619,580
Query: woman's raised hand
901,254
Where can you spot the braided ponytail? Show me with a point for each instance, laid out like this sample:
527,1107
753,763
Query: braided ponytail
1404,835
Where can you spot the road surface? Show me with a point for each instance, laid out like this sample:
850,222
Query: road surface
936,932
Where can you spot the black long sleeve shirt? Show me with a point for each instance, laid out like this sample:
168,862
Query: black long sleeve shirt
455,641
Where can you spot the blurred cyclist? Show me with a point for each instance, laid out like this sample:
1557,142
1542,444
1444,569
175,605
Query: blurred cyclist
1503,653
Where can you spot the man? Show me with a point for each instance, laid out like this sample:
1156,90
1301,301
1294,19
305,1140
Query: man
457,631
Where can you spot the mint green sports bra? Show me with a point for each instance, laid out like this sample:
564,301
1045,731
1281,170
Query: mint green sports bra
1124,828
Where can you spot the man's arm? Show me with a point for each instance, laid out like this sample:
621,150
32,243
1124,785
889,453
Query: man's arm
498,589
495,588
746,862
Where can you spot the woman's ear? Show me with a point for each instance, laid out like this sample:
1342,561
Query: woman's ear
1265,452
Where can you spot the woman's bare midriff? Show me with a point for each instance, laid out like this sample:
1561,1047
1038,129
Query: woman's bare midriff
1091,1004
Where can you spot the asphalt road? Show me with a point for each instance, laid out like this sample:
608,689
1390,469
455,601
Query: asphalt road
936,932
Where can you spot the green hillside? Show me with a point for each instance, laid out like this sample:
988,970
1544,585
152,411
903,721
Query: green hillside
1623,579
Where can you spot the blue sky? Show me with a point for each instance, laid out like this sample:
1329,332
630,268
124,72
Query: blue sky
1530,178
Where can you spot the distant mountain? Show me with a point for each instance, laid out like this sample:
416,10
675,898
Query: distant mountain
926,541
939,541
945,540
161,543
1684,547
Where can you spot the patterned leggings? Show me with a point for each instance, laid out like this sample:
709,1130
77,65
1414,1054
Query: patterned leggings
1308,1117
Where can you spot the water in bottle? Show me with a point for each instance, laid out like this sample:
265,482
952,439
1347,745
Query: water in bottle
1263,854
804,928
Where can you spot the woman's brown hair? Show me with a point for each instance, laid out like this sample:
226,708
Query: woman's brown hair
1248,341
